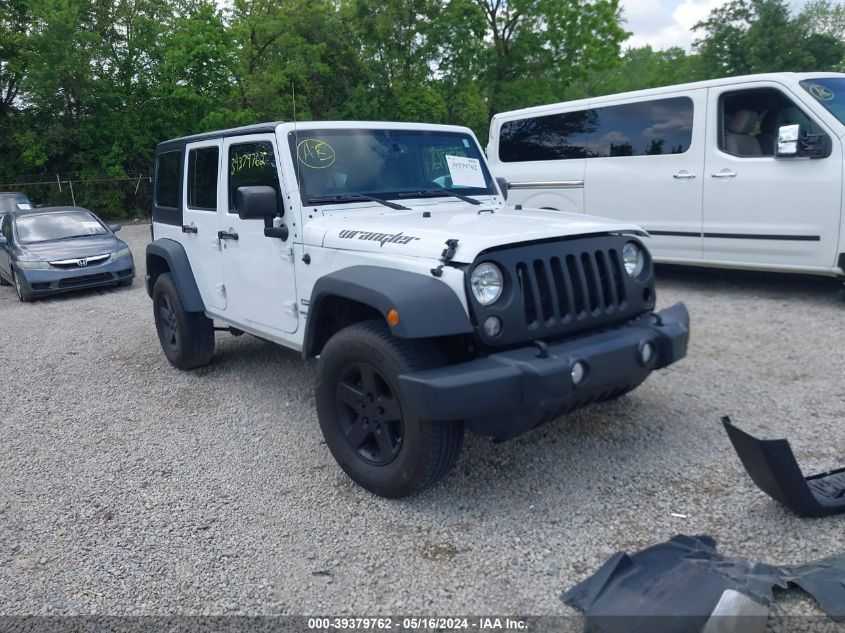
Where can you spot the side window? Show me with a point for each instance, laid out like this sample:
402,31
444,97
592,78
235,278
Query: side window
252,164
645,128
6,227
202,178
553,137
749,121
167,179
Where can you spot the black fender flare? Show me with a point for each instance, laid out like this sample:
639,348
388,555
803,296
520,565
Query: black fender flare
173,253
427,307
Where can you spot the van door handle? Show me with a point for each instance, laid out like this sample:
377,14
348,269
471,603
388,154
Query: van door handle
725,173
223,235
684,175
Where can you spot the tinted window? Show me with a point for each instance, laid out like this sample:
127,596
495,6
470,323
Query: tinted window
202,178
167,179
552,137
252,164
42,227
647,128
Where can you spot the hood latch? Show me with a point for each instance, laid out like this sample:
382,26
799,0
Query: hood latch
446,256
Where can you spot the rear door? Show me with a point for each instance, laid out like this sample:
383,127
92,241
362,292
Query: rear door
258,270
201,215
759,209
645,166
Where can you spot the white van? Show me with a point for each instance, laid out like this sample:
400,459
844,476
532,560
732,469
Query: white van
745,172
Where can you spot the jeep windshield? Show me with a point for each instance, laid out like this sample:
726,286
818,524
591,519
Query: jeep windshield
336,166
830,92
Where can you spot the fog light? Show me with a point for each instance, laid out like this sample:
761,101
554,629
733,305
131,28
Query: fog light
492,326
647,353
579,373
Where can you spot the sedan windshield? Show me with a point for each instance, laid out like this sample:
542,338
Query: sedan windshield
334,166
830,92
14,202
47,227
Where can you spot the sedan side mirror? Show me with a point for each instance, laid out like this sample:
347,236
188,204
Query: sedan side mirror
504,185
3,240
256,202
114,228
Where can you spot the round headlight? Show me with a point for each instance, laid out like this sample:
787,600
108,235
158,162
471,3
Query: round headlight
486,283
633,259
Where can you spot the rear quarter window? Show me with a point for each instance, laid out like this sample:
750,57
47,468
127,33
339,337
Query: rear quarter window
167,179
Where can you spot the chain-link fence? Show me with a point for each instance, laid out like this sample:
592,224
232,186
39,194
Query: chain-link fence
112,198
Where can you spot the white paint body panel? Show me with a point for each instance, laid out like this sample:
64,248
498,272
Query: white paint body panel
768,196
264,276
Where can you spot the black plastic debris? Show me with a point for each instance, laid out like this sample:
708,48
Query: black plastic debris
675,587
772,466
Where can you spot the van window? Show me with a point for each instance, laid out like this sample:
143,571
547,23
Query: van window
645,128
553,137
202,178
167,179
749,121
252,164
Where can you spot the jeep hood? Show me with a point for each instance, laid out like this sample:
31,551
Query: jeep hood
410,234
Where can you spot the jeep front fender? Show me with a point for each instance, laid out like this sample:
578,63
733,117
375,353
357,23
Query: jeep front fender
173,254
427,307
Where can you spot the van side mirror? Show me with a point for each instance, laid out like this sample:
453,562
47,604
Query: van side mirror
791,144
504,186
256,202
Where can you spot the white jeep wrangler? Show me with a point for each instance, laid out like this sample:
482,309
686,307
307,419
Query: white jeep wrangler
389,252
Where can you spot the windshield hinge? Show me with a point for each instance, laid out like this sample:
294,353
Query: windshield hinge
446,256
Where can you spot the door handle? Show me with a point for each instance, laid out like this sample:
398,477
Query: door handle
725,173
683,175
224,235
187,228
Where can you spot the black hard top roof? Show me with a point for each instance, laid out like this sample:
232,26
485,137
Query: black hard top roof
258,128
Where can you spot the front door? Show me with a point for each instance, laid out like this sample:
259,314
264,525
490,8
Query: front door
258,271
201,217
759,209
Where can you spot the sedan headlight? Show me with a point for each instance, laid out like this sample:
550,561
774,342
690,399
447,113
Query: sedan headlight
486,282
633,258
123,252
31,263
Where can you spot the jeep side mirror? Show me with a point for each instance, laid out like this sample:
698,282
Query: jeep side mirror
114,228
791,144
256,202
504,186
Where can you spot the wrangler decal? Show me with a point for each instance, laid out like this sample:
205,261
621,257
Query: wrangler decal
381,238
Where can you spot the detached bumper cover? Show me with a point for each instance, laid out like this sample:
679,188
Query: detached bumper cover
489,392
772,466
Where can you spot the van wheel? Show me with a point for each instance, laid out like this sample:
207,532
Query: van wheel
187,338
22,293
368,428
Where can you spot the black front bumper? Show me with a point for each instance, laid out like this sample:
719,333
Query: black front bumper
508,393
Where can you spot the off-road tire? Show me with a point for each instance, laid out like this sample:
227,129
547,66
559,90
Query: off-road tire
426,450
187,338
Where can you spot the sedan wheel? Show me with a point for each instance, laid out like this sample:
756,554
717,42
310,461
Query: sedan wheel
23,295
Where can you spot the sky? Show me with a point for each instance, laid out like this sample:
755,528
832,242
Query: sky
665,23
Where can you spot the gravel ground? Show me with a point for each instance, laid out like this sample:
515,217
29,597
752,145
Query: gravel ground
128,487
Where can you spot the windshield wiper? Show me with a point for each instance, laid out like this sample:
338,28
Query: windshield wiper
436,193
356,197
70,237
